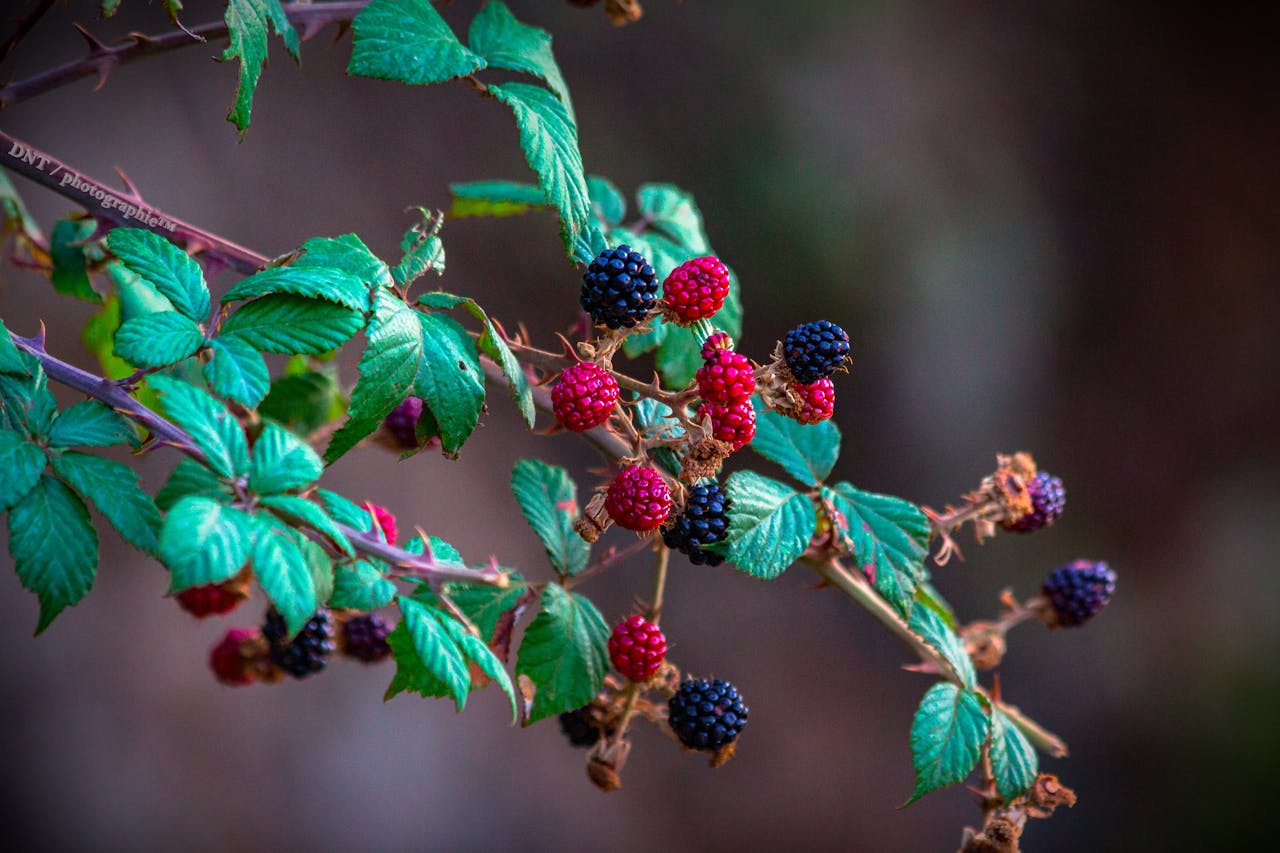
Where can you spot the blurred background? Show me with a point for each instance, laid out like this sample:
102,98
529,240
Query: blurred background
1047,226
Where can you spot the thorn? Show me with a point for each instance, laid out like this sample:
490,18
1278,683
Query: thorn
183,27
95,47
103,71
569,349
141,39
40,336
131,192
343,28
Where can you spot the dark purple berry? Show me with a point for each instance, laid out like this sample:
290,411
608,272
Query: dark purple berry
1079,590
705,521
706,713
579,728
364,638
1048,499
815,350
402,423
307,653
619,288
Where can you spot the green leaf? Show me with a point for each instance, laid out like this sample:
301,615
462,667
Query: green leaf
110,7
112,487
213,429
247,22
281,461
679,356
54,547
549,138
66,254
163,266
89,423
203,541
1013,760
21,461
408,41
98,336
485,605
333,285
672,211
607,201
495,198
237,371
137,297
285,573
807,452
25,399
440,549
770,524
308,514
549,500
361,586
588,245
932,599
485,659
563,653
889,538
388,369
947,735
189,477
347,253
655,418
320,565
10,358
345,511
158,340
302,402
450,380
506,43
439,654
423,250
937,633
294,324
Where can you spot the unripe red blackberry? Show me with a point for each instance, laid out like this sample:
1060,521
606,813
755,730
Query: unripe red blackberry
308,652
706,713
584,397
638,499
1048,500
637,648
230,659
1078,590
384,521
735,424
705,521
364,638
210,599
815,350
714,343
697,288
619,288
817,401
402,423
726,377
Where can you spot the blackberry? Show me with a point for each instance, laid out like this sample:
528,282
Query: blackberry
619,288
579,728
706,713
815,350
1079,590
705,521
402,423
308,652
364,638
1048,499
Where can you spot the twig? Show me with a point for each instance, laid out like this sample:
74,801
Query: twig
659,583
24,26
613,557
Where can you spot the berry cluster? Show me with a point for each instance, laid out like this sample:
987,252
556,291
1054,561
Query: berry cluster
1078,590
619,288
364,638
705,521
814,351
308,652
637,648
1048,500
706,714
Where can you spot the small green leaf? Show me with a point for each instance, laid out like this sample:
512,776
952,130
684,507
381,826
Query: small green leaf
247,22
203,541
89,423
495,198
438,653
237,371
158,340
1013,760
656,419
215,431
486,606
932,599
770,524
163,266
450,380
10,358
408,41
308,514
607,201
889,538
483,657
99,334
549,138
563,653
25,399
333,285
66,254
506,43
302,402
285,573
112,487
361,586
347,253
189,477
21,461
294,324
320,565
423,250
935,632
549,500
281,462
672,211
54,547
947,735
345,511
807,452
440,549
110,7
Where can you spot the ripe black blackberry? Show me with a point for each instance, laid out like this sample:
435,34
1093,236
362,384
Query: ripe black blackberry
706,713
402,422
579,728
364,638
1048,500
308,652
1079,590
620,288
705,521
815,350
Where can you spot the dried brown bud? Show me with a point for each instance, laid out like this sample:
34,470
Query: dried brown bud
723,754
603,776
1046,794
623,12
594,519
1000,835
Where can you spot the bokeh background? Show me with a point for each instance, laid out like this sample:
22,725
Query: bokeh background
1047,226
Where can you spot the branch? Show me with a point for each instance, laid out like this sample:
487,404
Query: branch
24,26
166,432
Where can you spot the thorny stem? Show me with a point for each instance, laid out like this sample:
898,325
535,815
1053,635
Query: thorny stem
555,362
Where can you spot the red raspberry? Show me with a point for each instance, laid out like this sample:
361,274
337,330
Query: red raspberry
638,499
697,289
384,521
202,601
726,378
637,648
231,660
735,424
584,396
818,401
715,343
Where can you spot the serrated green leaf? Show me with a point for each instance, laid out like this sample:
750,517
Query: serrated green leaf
158,340
808,452
549,138
563,653
408,41
440,549
247,22
164,267
348,253
679,356
294,324
284,573
281,462
450,380
237,371
486,606
302,402
589,244
388,369
112,487
361,586
947,735
21,461
137,296
928,596
66,254
25,399
936,633
673,212
770,524
10,358
506,43
889,538
332,285
495,198
203,542
308,514
345,511
483,657
423,250
607,202
321,567
89,423
549,500
189,477
98,336
214,430
54,547
1013,760
439,654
